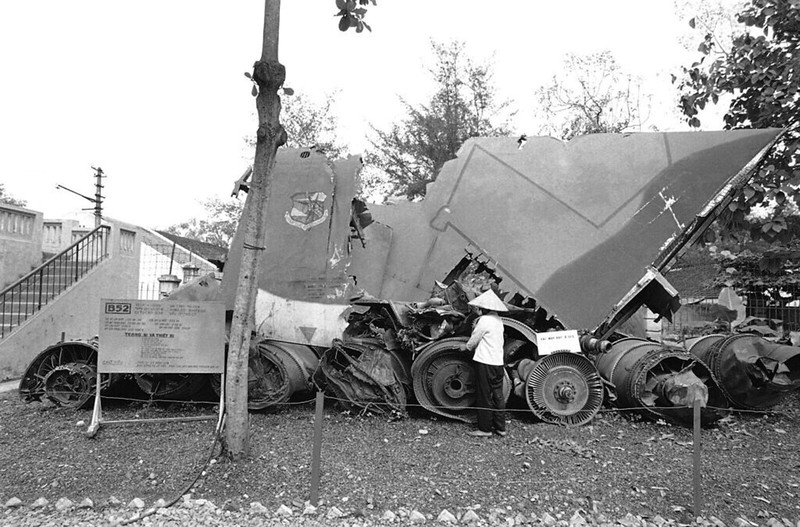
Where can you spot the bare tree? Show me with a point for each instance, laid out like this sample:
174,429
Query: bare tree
591,95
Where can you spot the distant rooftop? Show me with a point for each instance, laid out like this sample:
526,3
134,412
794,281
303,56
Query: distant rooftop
209,251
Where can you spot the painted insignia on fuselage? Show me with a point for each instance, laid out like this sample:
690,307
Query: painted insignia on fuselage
308,210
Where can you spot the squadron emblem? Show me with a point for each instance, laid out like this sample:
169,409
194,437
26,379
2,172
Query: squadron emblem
308,210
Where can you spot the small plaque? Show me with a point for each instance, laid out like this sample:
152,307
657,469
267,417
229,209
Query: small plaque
554,341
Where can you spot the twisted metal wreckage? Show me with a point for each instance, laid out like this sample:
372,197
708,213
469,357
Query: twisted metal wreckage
371,304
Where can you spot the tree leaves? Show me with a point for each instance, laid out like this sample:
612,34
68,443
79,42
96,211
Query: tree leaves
254,90
219,225
761,76
464,105
310,123
9,200
350,15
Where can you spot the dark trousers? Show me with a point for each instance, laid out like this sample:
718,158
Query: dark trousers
490,401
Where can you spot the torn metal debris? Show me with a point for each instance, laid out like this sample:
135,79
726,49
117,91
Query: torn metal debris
66,374
752,372
363,375
277,372
660,382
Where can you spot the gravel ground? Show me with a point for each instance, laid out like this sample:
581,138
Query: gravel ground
614,471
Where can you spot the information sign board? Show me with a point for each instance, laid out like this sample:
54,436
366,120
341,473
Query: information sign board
156,336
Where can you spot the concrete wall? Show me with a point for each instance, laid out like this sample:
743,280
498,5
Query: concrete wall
20,242
57,235
76,312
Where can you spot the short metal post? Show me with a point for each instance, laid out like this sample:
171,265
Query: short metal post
317,448
697,461
97,413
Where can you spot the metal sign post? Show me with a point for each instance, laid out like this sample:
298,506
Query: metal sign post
151,336
317,448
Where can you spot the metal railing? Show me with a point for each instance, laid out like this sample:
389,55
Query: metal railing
29,294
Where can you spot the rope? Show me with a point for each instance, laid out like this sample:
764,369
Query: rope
438,407
152,510
604,410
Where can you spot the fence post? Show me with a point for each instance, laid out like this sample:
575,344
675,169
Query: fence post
697,460
317,448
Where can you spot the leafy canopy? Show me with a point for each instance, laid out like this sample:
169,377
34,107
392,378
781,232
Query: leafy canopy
760,72
464,105
217,228
9,200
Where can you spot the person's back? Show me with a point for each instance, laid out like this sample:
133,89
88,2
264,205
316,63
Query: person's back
486,341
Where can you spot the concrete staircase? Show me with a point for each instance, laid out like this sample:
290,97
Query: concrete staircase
24,301
28,295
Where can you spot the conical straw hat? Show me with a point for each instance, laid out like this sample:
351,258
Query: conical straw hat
489,300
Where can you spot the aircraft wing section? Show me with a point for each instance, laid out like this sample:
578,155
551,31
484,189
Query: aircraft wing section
574,225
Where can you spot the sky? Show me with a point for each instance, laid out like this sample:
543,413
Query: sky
154,92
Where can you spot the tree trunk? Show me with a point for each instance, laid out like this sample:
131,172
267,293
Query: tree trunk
269,75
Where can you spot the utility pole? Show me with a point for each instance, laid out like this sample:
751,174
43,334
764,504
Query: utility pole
98,195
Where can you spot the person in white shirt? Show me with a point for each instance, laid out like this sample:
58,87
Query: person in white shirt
486,341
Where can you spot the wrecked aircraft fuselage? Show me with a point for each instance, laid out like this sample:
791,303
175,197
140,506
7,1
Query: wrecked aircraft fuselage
572,235
578,232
